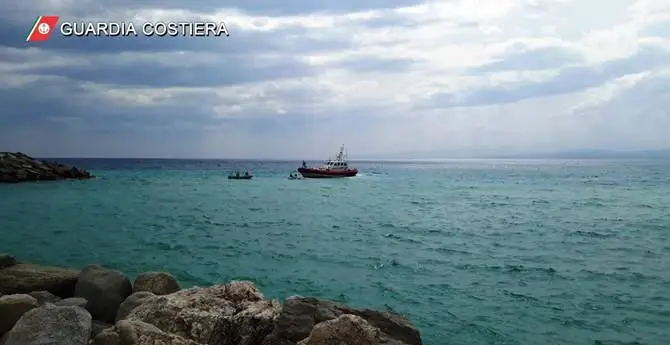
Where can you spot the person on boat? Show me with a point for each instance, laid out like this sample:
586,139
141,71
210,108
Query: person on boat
246,173
304,164
237,173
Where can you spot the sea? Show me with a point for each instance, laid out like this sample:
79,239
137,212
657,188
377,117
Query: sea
473,252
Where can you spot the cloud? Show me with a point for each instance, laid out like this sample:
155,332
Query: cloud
298,78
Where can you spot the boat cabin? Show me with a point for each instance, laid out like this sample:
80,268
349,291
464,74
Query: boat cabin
337,165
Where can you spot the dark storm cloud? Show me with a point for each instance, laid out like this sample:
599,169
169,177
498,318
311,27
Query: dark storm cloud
569,80
228,71
539,59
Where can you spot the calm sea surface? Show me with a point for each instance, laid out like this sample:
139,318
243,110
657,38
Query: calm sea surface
473,251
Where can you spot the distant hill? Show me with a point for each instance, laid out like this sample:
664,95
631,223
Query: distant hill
576,154
595,154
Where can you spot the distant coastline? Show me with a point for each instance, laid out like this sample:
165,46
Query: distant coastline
420,156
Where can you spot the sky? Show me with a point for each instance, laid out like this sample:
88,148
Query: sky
298,78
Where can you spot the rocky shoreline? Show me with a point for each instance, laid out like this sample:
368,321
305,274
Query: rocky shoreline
43,305
18,167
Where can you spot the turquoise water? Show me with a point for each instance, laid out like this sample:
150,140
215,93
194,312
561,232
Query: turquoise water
472,251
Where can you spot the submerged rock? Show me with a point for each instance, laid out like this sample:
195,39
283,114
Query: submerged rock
26,278
104,289
19,167
159,283
52,325
12,307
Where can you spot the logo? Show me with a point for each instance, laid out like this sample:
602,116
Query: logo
42,28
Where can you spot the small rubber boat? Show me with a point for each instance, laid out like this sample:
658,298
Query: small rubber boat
238,176
295,176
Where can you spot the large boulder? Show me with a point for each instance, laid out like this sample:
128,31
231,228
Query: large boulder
300,314
52,325
104,289
7,260
12,307
344,330
132,302
159,283
230,314
127,332
26,278
43,297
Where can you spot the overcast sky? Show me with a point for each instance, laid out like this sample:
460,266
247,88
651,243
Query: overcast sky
297,78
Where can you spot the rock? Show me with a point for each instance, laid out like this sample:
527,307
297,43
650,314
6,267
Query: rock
98,326
12,307
26,278
52,325
131,303
127,332
300,314
344,330
105,289
44,297
73,301
109,336
7,260
230,314
19,167
159,283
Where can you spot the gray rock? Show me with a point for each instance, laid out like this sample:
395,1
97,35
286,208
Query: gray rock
109,336
12,307
159,283
104,289
228,314
52,325
127,332
73,301
44,297
98,326
345,329
300,314
7,260
132,302
26,278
